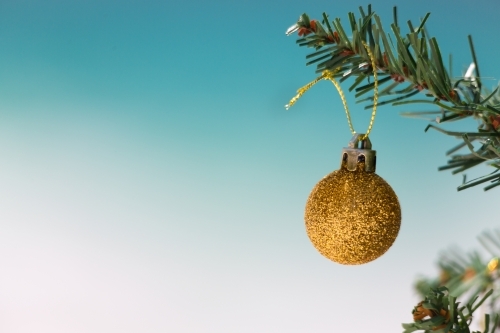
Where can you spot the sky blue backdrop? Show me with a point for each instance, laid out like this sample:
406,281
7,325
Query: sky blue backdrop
152,180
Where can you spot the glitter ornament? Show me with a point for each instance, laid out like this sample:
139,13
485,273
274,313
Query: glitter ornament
352,215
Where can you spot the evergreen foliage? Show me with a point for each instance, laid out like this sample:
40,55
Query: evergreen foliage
408,66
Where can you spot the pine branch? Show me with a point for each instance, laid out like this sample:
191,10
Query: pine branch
415,60
440,312
465,276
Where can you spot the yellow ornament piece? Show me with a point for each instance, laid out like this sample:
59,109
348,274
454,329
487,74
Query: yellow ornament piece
352,215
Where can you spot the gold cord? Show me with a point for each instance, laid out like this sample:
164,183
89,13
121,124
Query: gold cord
329,75
302,90
375,89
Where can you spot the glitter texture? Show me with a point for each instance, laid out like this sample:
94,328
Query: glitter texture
352,217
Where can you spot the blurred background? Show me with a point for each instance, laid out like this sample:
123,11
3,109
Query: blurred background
152,181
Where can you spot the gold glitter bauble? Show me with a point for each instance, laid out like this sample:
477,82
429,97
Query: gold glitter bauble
352,215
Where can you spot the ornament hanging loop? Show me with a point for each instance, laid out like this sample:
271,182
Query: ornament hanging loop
330,75
375,88
360,139
358,155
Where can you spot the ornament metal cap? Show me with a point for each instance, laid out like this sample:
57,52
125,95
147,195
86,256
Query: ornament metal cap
359,150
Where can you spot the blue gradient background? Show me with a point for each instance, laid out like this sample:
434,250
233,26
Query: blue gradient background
152,180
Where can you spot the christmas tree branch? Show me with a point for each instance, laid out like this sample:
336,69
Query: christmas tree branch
440,312
415,60
463,276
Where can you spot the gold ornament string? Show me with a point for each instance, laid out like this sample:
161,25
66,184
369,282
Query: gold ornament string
329,75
